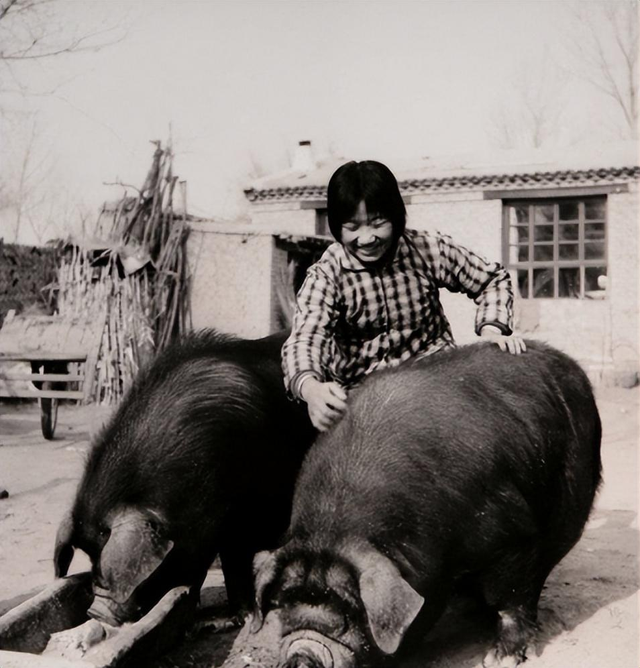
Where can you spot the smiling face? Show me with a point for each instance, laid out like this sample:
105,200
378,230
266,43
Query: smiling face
367,236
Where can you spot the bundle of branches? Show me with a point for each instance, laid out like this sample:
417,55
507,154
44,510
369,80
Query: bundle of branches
148,230
137,271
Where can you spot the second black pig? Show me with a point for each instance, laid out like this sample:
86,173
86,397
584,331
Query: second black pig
471,464
199,459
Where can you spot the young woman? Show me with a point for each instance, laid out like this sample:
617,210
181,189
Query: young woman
371,300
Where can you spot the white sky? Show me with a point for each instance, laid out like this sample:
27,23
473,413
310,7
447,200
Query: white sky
235,79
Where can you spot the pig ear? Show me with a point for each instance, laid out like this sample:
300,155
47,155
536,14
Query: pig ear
135,549
264,570
389,600
63,552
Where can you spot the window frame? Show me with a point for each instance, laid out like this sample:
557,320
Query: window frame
581,263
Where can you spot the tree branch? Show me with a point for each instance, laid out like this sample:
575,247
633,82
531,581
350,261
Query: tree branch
73,47
5,7
123,185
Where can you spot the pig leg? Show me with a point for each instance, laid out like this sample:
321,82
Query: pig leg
512,587
516,628
237,568
238,580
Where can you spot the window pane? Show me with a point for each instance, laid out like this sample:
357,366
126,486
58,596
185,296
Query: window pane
543,253
543,282
595,282
518,213
569,252
543,233
594,209
518,234
594,231
569,232
543,213
523,283
518,253
594,250
568,211
569,282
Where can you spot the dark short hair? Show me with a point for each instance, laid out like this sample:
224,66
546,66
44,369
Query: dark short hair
372,182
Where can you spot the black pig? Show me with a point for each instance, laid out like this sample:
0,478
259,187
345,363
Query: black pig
199,459
471,465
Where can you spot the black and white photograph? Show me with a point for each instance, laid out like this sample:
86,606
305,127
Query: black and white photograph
319,334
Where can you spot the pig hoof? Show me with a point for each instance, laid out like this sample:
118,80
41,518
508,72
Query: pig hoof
493,660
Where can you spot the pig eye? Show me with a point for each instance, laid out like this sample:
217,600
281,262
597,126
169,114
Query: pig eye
156,527
104,531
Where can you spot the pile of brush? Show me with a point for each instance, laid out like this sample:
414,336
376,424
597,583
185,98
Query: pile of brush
134,275
26,273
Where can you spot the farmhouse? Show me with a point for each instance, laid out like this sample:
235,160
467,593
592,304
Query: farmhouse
564,222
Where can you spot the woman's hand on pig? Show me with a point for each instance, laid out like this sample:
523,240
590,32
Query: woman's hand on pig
514,344
326,402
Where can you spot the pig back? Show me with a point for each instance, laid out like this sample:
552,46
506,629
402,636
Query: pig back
206,427
456,455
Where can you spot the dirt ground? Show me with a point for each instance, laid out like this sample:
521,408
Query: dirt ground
589,613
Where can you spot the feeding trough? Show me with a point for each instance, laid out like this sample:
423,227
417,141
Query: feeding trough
52,630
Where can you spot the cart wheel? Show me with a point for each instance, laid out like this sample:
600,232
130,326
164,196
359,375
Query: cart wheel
48,413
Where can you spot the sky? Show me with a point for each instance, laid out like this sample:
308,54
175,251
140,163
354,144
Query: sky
236,84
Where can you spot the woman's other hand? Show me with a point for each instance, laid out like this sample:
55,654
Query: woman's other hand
514,344
326,402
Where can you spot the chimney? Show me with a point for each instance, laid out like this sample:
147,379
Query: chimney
303,157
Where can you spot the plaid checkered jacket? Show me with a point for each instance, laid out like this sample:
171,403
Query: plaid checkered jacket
350,320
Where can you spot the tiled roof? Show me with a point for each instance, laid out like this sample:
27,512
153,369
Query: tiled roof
481,182
536,179
502,170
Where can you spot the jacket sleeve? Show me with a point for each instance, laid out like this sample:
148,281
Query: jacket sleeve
487,283
308,349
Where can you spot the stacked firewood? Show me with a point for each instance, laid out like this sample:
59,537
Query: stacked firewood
133,275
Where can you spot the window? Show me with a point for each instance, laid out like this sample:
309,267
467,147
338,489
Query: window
557,247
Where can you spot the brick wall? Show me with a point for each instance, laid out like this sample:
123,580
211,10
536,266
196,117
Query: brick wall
471,221
230,281
624,280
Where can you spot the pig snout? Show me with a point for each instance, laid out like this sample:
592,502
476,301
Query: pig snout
133,553
309,649
104,609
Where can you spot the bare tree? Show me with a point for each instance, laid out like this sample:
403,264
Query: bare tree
603,49
34,173
531,115
33,32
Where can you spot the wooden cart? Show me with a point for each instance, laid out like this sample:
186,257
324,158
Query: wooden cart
49,345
